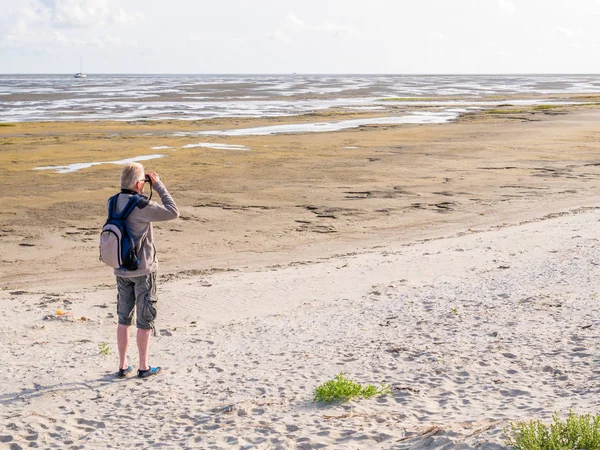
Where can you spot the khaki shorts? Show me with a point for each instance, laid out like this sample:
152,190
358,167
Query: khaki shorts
140,291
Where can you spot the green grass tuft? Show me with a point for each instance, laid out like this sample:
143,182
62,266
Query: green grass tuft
6,124
507,111
104,348
546,107
576,431
343,389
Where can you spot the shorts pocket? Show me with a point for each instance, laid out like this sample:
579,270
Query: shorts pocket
149,309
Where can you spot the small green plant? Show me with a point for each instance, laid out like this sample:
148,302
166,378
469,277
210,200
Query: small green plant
507,111
6,124
576,431
546,107
103,348
454,310
343,389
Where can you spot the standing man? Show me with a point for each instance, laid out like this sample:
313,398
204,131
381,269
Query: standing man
137,288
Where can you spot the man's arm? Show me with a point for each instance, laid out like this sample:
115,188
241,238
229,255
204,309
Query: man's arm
154,212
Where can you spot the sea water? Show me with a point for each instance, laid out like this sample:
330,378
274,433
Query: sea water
197,97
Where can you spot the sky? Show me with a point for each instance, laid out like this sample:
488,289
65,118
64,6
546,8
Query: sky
304,36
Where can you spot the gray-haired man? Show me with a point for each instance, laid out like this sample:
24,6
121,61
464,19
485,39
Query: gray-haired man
137,288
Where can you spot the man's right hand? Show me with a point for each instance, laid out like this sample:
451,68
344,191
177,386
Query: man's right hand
154,178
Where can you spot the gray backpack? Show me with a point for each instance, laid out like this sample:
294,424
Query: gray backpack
117,246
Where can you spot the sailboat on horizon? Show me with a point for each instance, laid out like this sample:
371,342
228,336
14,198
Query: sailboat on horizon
80,74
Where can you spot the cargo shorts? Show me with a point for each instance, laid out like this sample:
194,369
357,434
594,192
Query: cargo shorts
138,292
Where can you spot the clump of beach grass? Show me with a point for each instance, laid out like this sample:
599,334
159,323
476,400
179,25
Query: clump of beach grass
343,389
507,111
546,107
104,348
580,431
7,124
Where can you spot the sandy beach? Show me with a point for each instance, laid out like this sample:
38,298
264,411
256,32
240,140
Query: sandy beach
455,262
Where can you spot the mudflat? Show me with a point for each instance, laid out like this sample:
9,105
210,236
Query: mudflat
290,197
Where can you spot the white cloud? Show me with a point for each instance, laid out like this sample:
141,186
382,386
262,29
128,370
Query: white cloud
338,29
20,27
333,28
128,18
56,38
44,24
195,37
278,35
295,20
87,13
78,13
507,6
60,37
565,31
22,20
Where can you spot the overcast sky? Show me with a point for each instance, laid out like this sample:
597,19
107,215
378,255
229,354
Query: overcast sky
304,36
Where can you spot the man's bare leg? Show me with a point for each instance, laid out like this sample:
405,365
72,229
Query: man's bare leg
143,343
122,343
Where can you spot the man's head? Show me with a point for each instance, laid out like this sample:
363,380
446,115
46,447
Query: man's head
132,177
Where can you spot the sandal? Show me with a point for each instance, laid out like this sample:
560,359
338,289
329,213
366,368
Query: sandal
149,372
122,373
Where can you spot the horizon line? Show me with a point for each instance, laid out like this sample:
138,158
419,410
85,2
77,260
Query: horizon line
309,73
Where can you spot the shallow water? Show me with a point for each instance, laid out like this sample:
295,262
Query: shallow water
320,127
78,166
217,146
193,97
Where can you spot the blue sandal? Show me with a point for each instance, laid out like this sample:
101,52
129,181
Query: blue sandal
124,372
149,372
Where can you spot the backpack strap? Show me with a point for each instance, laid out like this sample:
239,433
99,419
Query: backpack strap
134,200
112,205
132,203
